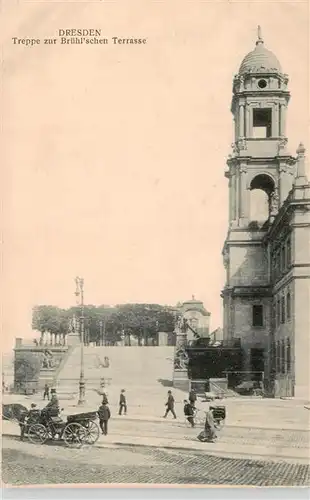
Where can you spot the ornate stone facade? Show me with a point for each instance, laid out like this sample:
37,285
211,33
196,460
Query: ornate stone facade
267,261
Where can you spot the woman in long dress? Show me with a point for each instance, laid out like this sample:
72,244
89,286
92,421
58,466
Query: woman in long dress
208,435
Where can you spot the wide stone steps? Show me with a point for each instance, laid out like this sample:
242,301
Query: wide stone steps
149,367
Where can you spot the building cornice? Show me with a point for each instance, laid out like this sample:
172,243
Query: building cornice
285,211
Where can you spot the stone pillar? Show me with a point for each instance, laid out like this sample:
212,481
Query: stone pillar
247,121
232,195
243,193
241,120
226,318
51,339
282,119
235,128
237,196
275,121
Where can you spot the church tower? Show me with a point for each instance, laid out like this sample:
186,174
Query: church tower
261,175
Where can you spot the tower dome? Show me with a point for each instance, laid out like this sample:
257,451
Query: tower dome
260,59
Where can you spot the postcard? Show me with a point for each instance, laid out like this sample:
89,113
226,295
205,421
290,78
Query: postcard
155,243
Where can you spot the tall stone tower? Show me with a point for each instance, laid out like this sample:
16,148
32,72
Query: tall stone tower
261,176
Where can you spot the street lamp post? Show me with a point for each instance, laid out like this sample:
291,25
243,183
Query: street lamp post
80,293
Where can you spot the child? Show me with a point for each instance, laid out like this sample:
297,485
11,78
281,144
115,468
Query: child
189,412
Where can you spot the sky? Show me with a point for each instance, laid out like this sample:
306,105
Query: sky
114,156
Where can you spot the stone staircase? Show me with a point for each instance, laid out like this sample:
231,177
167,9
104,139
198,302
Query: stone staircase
219,388
146,373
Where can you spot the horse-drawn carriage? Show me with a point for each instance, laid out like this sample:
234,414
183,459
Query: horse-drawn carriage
78,430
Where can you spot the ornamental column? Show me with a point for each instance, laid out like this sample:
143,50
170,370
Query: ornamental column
247,121
241,120
282,119
232,195
275,121
243,192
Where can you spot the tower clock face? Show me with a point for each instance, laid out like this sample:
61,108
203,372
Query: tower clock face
262,84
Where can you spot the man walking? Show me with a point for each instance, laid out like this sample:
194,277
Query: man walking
122,403
170,405
46,392
104,415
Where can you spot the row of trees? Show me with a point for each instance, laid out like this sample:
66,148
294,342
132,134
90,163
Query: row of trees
107,324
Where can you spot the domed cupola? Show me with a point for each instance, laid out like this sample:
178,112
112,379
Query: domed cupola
259,102
260,60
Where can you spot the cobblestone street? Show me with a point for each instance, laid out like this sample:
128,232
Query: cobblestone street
24,463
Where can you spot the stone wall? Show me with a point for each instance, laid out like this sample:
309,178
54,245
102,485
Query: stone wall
248,266
48,361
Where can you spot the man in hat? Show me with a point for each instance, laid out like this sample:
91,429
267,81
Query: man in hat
104,415
170,405
122,403
53,403
46,392
30,418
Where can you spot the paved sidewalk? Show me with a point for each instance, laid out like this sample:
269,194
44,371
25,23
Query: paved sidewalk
234,442
259,452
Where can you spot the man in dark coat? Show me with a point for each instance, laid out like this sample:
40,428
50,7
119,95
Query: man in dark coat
189,412
30,418
170,405
104,415
192,398
122,403
46,392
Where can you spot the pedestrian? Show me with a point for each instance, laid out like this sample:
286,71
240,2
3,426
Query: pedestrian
104,415
105,399
208,435
52,407
30,418
170,405
46,392
122,403
192,398
189,412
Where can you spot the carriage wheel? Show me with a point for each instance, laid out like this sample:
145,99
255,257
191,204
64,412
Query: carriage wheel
74,435
37,434
92,432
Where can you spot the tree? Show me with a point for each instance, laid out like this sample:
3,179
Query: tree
50,319
144,321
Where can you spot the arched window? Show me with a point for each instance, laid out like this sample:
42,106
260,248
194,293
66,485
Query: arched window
259,207
288,355
288,306
261,188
